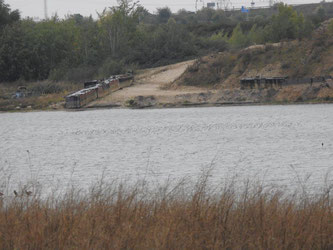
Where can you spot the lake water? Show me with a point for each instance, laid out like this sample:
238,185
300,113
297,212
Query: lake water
280,145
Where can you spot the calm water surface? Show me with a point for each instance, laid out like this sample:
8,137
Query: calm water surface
273,144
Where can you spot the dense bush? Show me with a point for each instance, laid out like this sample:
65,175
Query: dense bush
45,87
78,47
80,73
111,67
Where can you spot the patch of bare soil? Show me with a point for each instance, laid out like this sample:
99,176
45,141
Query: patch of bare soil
150,87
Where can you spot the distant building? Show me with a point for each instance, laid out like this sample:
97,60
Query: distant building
211,5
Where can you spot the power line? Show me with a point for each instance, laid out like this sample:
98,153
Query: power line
45,10
224,4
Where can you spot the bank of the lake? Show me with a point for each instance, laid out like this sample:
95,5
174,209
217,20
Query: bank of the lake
145,103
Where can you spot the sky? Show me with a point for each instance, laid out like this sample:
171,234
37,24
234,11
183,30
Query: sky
35,8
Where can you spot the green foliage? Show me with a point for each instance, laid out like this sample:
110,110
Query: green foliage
29,50
220,36
77,74
78,48
111,67
256,35
118,25
162,44
288,24
205,15
321,14
13,54
163,14
7,16
238,39
218,41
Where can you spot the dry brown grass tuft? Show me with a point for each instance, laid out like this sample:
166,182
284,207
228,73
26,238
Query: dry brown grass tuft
171,217
44,95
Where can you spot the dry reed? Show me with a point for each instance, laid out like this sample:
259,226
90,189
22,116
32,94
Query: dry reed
111,216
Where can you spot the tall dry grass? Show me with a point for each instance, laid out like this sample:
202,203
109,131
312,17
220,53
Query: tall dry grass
181,216
43,95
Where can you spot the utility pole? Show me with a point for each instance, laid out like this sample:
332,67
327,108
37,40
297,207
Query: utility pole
196,4
45,10
224,4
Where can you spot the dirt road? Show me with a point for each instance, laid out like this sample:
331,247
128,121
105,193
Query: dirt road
151,84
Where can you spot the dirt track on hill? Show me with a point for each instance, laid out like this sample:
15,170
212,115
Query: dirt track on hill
151,84
155,87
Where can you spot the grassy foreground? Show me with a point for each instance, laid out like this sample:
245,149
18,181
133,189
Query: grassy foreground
111,216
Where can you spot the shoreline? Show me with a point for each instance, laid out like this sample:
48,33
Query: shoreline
204,104
169,106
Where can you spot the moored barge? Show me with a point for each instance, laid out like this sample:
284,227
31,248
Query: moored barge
97,89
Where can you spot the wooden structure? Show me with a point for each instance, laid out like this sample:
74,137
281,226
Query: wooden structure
259,82
95,89
278,82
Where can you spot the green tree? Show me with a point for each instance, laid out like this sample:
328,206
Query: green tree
286,25
163,14
7,16
13,53
205,15
254,35
30,50
118,24
320,14
88,39
238,39
219,41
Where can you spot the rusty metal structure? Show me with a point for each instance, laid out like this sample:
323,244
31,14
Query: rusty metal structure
97,89
280,81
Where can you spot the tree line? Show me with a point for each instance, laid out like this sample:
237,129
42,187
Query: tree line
127,36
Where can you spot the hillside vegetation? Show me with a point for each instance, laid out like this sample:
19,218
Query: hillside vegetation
53,54
127,36
296,59
299,58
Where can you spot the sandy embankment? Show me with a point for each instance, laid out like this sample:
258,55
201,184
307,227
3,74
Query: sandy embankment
152,88
149,89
